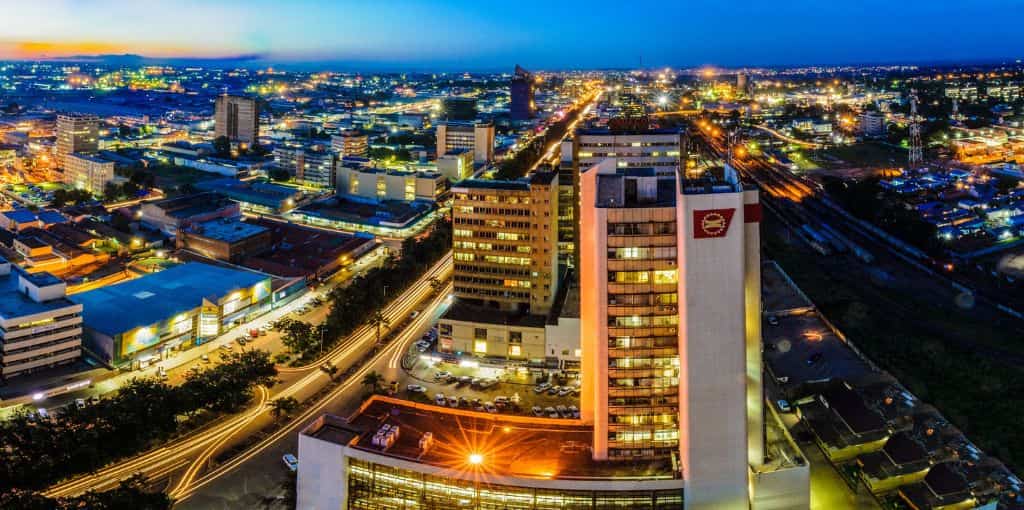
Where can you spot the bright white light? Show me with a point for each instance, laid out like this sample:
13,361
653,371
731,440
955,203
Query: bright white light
662,101
466,363
476,459
38,396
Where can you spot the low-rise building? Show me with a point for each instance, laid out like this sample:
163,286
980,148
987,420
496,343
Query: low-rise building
170,214
258,197
226,239
456,164
143,320
39,326
384,184
350,143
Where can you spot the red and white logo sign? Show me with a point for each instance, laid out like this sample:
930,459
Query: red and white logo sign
712,222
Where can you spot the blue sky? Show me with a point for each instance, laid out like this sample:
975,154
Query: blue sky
550,34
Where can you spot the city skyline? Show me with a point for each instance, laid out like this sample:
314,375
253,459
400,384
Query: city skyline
413,35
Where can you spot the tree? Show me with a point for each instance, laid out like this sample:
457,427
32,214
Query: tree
222,147
297,335
378,320
373,380
283,406
279,174
436,284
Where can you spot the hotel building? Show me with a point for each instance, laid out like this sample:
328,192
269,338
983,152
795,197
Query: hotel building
477,137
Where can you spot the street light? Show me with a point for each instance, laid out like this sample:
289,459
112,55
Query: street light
476,459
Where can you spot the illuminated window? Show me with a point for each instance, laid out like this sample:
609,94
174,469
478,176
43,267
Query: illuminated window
665,276
515,350
480,346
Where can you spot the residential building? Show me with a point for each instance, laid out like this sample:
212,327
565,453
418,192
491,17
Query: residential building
521,91
505,242
170,214
237,118
474,136
39,326
456,164
871,124
134,323
76,132
350,143
384,184
89,173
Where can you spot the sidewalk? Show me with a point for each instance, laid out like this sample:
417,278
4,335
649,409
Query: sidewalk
99,384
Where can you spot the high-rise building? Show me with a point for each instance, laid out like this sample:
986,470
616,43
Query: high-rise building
350,143
475,136
39,326
456,165
76,132
237,118
670,325
521,89
89,173
505,242
458,108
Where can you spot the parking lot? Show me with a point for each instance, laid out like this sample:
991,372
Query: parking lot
487,388
801,349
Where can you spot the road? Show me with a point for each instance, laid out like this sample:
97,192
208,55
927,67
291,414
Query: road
192,452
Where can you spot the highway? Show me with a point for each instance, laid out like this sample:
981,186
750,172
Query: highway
192,452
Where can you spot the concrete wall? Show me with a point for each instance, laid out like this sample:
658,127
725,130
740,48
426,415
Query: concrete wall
323,475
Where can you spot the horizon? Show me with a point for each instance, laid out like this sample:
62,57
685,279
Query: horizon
460,35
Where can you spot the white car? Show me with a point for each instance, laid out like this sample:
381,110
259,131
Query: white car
489,407
439,399
564,391
416,388
291,462
541,388
537,411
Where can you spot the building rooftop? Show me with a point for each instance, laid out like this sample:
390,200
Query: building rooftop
14,303
192,205
89,157
515,446
230,231
460,310
254,192
115,309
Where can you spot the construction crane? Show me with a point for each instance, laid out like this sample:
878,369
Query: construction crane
915,159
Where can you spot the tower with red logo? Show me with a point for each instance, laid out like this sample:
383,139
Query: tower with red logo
670,325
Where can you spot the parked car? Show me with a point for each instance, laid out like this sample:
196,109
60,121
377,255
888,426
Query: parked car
416,388
784,406
551,412
542,387
442,374
574,411
489,407
291,462
562,411
537,411
453,401
486,383
554,390
205,358
240,340
80,403
464,380
564,391
439,399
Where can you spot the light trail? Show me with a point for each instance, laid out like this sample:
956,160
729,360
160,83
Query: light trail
172,456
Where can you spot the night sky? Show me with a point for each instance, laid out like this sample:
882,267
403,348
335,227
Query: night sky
486,35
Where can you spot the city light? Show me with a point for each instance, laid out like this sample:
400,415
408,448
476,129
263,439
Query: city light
476,459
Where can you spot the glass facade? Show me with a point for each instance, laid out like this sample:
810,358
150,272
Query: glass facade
377,487
643,353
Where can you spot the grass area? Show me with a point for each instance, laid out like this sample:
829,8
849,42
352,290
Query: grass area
169,176
864,154
923,345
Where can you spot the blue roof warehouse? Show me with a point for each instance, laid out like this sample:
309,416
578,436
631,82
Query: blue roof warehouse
148,318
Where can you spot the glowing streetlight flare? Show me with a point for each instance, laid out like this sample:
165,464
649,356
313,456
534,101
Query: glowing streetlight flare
476,459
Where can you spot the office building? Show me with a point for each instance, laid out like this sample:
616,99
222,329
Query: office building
76,132
89,173
456,165
505,242
522,106
237,118
659,149
455,108
39,326
384,184
147,319
350,143
313,165
477,137
871,124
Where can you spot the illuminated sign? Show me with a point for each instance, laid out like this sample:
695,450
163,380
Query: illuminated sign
711,223
138,340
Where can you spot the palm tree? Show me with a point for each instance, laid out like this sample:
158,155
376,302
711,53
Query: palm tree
283,406
379,320
436,284
373,380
